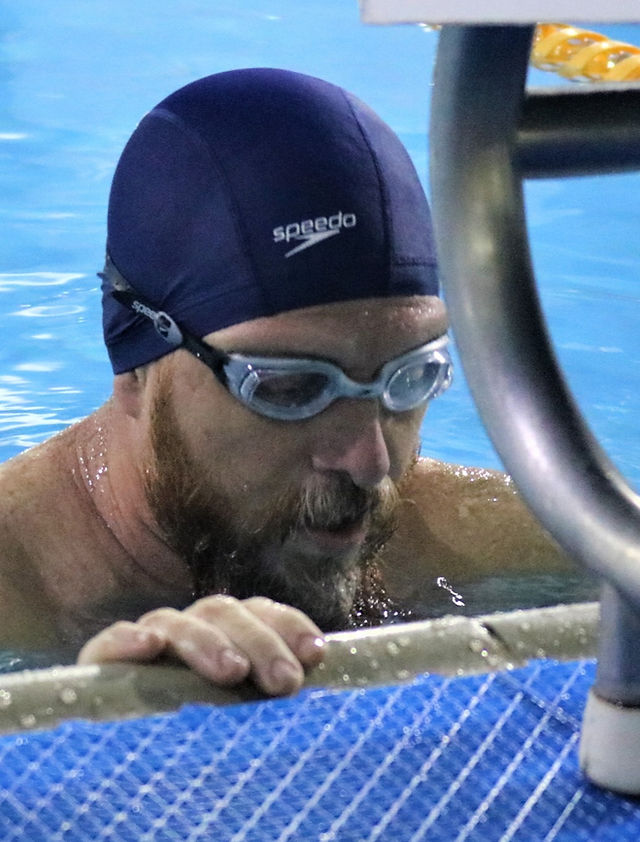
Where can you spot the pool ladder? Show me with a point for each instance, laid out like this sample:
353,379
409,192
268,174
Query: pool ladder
487,134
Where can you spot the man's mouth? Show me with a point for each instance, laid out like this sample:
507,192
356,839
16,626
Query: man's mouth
338,536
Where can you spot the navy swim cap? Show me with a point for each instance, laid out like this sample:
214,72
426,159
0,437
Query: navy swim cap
254,192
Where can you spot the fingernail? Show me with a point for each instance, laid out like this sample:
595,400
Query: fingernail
232,661
311,649
286,677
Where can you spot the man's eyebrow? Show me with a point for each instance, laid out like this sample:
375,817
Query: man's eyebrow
307,355
287,354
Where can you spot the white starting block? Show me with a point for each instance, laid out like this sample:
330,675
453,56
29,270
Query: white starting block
497,11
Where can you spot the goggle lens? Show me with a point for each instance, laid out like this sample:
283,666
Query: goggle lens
289,391
294,389
413,383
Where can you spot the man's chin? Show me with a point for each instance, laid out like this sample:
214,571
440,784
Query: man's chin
315,573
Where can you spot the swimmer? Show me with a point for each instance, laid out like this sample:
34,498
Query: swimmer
272,314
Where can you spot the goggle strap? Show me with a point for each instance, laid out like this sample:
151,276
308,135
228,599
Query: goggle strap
170,331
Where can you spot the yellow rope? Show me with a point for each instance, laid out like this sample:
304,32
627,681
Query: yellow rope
583,55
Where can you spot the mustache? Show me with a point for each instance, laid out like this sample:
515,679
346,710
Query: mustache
327,503
342,503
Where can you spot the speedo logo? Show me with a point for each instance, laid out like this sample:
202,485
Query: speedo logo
163,323
310,232
141,308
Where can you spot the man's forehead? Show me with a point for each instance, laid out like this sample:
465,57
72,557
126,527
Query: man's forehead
399,321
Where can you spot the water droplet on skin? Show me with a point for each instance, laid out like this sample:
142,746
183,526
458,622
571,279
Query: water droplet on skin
353,650
5,698
346,677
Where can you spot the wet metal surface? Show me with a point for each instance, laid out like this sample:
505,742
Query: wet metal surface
452,646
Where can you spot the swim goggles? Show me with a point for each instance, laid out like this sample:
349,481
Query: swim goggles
295,388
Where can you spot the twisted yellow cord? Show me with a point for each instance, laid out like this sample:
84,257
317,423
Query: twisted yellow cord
583,55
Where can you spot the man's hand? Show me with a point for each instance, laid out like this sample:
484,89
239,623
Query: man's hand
221,638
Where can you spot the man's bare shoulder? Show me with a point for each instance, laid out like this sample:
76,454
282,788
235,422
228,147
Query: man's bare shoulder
26,616
469,521
444,479
31,510
30,488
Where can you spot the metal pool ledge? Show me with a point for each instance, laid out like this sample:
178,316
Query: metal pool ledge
452,646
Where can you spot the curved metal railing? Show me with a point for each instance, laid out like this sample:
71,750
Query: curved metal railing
487,134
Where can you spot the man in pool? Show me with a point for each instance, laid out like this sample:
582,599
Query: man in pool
271,312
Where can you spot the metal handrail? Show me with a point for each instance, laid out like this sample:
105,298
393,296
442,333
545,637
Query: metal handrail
486,135
451,646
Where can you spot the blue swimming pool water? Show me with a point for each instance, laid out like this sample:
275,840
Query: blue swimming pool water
74,80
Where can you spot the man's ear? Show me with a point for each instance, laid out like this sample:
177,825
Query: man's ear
128,390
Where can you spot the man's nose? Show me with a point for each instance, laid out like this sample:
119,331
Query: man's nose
354,443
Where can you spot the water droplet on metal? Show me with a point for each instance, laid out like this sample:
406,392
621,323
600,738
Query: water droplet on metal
68,696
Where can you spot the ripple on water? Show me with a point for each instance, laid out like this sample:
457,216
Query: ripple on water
49,311
11,281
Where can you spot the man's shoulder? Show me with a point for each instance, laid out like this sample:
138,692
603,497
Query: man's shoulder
32,505
470,521
26,616
446,482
